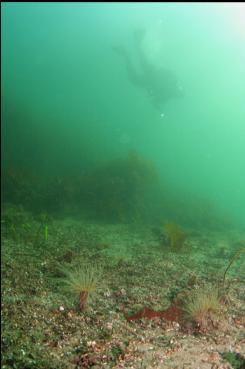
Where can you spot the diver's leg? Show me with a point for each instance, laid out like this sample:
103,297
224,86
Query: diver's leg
133,75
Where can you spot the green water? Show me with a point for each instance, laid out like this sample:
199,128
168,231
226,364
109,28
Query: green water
69,107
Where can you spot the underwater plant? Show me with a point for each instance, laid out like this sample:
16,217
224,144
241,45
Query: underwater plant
117,190
236,256
202,308
234,358
82,281
175,235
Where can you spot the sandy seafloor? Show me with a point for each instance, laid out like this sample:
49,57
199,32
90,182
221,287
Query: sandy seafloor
42,327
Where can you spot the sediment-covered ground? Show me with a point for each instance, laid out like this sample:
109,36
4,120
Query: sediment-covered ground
42,327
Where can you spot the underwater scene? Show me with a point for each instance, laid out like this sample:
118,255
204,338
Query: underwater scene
123,185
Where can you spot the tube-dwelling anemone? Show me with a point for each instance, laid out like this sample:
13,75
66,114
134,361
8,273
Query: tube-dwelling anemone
203,307
83,281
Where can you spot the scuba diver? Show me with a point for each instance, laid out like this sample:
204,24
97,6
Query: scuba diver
160,83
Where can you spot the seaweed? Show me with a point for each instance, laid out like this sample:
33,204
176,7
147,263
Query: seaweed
235,257
173,313
236,360
116,190
175,235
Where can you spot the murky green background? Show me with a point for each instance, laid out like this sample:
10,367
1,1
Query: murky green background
68,105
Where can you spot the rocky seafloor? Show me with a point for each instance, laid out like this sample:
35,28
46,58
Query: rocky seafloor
42,326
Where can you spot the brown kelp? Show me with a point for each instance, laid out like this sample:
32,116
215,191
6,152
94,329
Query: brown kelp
175,236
